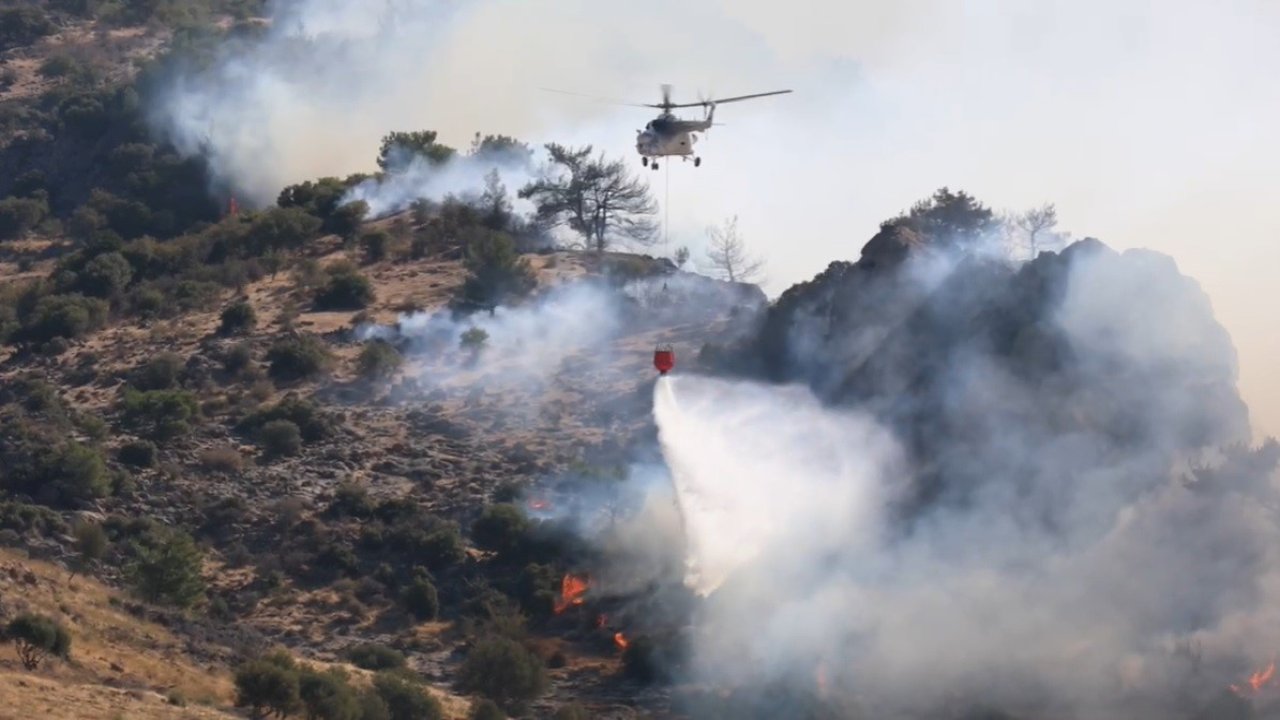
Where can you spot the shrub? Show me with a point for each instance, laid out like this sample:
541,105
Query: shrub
280,438
344,289
496,272
373,656
375,244
63,316
166,569
474,339
55,471
345,220
137,453
37,637
504,671
485,709
420,599
21,26
406,700
267,686
298,358
160,414
225,460
314,423
500,528
350,499
379,360
106,275
19,215
327,695
160,373
237,359
238,318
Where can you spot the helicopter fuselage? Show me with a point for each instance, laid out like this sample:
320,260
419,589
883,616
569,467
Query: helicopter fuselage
667,136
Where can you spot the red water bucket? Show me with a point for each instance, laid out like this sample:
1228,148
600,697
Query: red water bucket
664,358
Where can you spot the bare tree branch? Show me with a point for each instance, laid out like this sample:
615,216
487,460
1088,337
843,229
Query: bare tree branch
727,254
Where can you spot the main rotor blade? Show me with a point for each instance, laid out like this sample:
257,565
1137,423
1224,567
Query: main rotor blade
747,97
598,98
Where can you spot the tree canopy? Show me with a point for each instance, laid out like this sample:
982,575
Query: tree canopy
595,197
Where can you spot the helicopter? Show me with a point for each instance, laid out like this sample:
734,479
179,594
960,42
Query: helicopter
670,136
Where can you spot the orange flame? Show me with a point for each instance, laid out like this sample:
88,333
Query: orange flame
539,504
620,640
1257,680
572,588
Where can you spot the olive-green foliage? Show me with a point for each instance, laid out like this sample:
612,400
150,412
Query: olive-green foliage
61,316
280,438
281,229
166,568
406,700
314,423
37,637
420,598
238,318
379,360
163,372
161,415
500,528
474,339
344,288
237,360
321,197
421,537
375,244
30,520
268,684
298,358
350,499
504,671
106,275
496,273
372,656
21,26
538,589
400,148
40,460
19,215
949,218
137,453
327,695
486,709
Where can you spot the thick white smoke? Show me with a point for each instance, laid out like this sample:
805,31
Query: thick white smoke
1092,581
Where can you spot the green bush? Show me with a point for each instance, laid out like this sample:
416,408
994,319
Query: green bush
159,373
496,273
379,360
421,599
327,695
345,220
238,318
137,453
474,339
350,499
280,438
19,215
344,289
375,244
40,461
167,569
298,358
406,700
372,656
106,275
279,229
238,359
265,686
161,415
314,423
504,671
500,528
37,637
62,316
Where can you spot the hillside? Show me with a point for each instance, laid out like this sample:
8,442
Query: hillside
392,445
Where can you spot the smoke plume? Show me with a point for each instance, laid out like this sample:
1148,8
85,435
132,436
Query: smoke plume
1074,543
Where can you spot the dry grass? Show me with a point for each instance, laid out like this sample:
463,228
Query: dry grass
120,665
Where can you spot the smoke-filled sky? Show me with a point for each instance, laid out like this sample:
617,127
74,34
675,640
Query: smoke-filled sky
1149,124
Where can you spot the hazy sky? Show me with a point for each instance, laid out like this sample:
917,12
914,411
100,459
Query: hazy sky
1149,124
